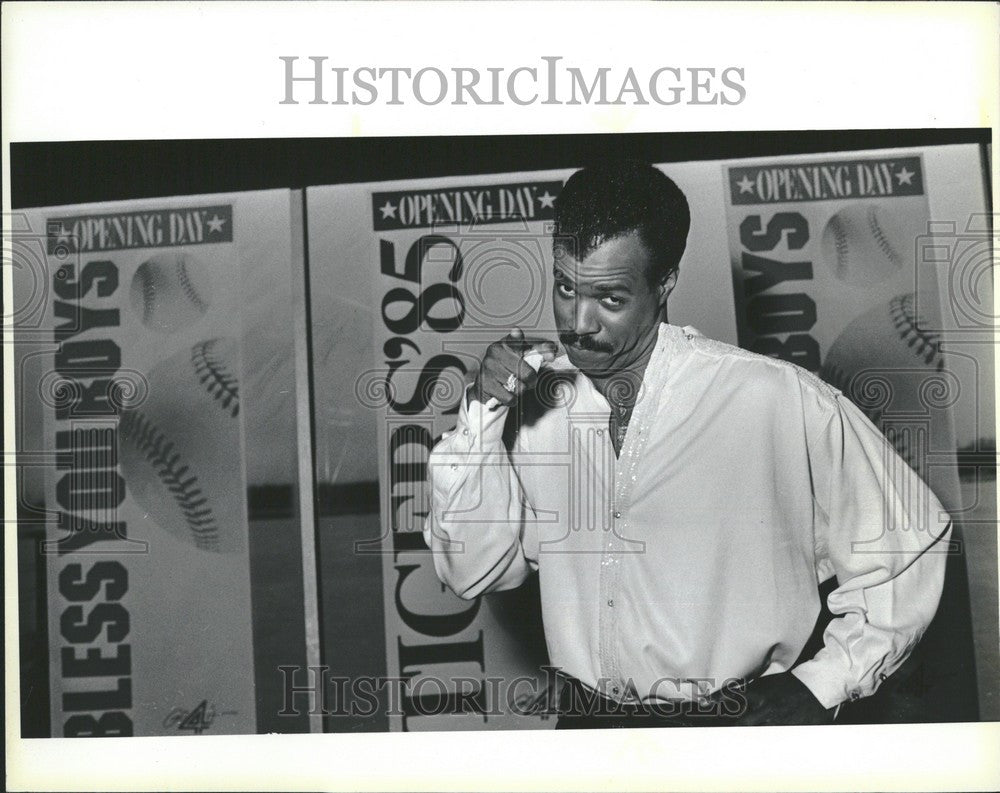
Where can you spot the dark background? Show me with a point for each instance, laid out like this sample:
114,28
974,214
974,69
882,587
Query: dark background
937,684
49,174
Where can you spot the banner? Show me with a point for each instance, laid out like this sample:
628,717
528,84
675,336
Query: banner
435,293
164,376
824,275
872,270
411,281
168,384
459,265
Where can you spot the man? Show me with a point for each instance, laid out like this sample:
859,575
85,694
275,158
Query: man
680,498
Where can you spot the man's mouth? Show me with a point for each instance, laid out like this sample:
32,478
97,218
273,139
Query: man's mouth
576,348
583,344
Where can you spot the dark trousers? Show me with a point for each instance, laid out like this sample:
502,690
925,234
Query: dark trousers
582,708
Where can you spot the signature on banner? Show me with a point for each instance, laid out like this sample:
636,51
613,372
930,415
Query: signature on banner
197,720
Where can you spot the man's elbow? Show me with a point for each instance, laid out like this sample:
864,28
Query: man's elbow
470,593
454,577
471,581
462,588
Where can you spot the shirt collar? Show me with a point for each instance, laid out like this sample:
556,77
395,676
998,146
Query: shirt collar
668,343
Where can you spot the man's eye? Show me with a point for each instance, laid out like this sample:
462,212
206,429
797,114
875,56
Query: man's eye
612,301
564,290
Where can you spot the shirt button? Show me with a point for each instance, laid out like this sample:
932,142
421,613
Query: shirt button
465,432
454,467
611,603
855,696
600,432
618,514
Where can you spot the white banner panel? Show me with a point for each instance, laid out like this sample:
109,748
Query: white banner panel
824,252
156,307
868,268
411,281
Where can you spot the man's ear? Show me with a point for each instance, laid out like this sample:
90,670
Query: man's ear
667,286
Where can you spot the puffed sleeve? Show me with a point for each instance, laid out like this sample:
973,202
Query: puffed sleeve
478,509
884,534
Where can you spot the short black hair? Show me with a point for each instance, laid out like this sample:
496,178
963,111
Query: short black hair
617,197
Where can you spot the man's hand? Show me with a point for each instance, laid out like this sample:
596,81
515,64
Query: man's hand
504,365
781,699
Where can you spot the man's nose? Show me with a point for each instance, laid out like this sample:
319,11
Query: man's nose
585,318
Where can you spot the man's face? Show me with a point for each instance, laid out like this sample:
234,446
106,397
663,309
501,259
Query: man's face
607,311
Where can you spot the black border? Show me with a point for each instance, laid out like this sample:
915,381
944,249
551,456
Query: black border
76,172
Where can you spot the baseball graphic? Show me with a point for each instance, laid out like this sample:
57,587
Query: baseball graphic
890,366
180,449
864,244
170,291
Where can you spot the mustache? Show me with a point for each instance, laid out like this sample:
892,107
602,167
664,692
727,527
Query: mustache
571,339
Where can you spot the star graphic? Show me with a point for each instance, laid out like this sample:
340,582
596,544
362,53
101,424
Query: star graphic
215,224
746,186
387,210
905,176
546,199
63,235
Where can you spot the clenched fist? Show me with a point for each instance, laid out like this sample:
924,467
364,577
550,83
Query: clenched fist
504,374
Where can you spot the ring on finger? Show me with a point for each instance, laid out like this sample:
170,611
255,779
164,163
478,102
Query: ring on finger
511,384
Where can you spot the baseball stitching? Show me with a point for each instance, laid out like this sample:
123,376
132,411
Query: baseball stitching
839,243
159,453
880,239
188,287
211,372
926,343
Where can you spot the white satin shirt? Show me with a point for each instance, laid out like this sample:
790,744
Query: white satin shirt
694,558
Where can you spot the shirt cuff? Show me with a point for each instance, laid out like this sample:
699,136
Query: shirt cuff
826,684
478,424
476,439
